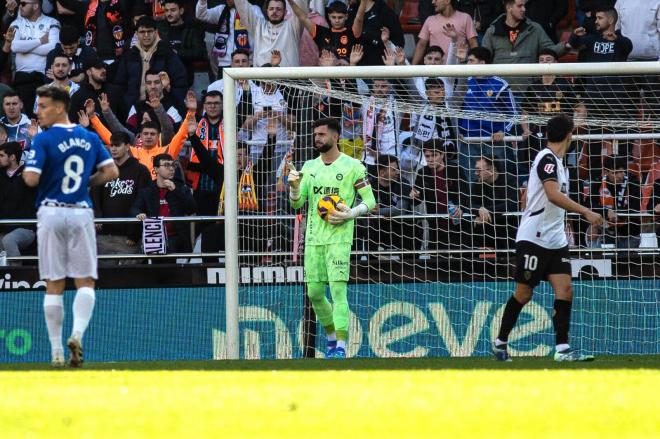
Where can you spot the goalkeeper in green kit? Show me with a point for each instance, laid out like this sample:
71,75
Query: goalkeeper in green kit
328,243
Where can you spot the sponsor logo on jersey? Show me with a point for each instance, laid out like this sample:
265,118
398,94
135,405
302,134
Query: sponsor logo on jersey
549,168
326,190
339,177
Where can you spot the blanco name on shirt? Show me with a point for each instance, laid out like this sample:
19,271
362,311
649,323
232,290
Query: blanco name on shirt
73,143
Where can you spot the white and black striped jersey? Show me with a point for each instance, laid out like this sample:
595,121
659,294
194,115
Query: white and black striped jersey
543,222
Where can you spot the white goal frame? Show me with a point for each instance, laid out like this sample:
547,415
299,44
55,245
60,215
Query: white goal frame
231,75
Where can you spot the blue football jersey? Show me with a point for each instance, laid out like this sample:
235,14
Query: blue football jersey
66,156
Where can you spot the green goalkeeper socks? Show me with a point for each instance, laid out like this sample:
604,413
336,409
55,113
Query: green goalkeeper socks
322,308
339,292
332,317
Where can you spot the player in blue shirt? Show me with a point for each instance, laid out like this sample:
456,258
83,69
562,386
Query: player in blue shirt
64,161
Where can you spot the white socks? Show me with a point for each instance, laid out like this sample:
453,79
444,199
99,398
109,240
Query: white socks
83,306
562,347
341,344
332,337
54,313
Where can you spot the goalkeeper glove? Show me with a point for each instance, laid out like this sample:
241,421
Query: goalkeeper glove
343,213
294,182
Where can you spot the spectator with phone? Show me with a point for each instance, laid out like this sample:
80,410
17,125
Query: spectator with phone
268,102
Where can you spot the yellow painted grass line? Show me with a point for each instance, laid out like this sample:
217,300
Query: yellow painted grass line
352,404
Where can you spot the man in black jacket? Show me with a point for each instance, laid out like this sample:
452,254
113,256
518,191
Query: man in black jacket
115,198
493,195
185,35
17,200
150,53
96,84
79,56
394,198
443,188
164,198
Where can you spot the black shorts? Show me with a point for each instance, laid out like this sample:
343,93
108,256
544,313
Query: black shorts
534,263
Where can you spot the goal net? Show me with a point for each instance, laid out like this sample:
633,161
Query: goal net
448,151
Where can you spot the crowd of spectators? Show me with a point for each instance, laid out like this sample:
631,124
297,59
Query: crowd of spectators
130,68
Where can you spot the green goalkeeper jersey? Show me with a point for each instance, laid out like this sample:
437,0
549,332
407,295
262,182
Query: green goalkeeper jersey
345,177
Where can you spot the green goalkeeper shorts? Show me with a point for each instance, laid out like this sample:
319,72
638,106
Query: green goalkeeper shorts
327,263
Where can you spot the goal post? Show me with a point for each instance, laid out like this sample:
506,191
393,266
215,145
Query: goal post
306,81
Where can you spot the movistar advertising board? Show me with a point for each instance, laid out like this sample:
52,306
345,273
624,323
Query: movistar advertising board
395,320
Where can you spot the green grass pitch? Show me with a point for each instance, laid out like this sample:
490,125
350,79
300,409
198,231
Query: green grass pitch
380,398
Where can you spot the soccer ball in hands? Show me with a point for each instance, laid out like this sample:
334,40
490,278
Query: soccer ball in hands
327,205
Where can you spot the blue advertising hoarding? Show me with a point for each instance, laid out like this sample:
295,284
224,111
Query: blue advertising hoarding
388,320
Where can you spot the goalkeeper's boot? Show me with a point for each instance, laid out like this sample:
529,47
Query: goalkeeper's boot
500,352
75,348
572,355
330,348
339,354
57,360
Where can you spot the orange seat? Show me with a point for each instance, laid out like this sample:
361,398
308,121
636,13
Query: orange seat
201,66
409,17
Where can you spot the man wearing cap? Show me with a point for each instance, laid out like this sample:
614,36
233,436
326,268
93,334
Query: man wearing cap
92,87
115,198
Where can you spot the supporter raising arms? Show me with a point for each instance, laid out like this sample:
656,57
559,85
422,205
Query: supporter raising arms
230,33
379,19
338,36
149,134
272,31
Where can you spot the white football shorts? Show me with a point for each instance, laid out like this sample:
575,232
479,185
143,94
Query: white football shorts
66,240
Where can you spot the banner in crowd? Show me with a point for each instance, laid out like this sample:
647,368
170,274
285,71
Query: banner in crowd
393,320
153,236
